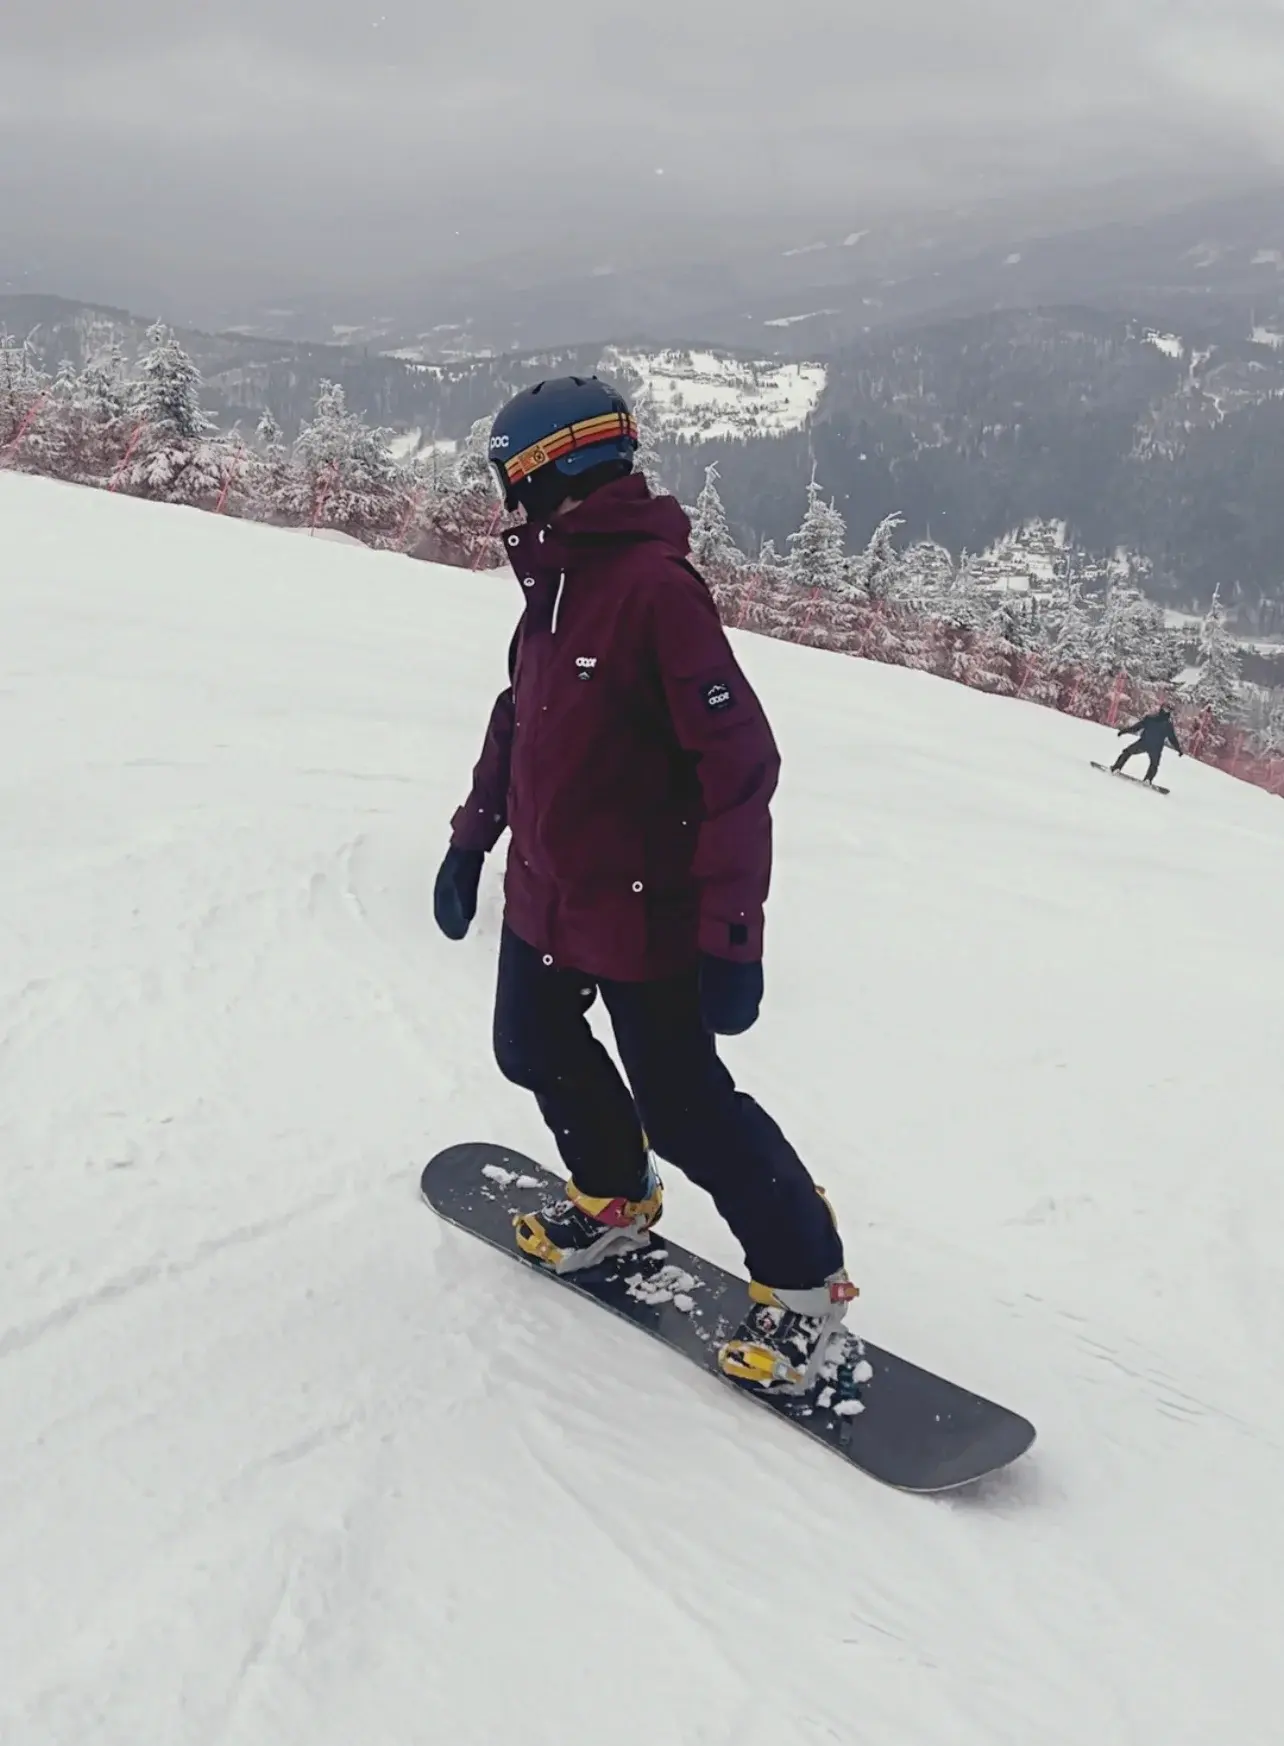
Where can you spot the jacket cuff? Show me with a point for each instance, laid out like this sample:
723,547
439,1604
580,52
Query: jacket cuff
474,828
740,939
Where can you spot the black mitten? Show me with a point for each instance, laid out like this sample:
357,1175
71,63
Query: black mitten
730,995
454,896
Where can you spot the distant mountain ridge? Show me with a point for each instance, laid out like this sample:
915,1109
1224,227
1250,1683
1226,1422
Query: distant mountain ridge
1218,258
1167,444
1149,414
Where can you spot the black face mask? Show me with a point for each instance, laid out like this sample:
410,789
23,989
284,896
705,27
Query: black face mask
542,494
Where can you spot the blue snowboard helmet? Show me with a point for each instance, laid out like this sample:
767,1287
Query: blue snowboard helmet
553,433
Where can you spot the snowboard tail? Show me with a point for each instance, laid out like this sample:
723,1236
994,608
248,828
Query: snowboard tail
898,1423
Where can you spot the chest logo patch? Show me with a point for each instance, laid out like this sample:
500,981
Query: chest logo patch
586,666
717,696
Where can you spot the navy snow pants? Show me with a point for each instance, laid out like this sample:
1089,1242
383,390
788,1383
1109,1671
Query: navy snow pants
1154,753
683,1096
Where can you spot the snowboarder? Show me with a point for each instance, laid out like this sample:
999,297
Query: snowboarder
1154,733
634,768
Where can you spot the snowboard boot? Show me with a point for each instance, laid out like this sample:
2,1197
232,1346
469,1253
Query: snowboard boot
782,1342
584,1230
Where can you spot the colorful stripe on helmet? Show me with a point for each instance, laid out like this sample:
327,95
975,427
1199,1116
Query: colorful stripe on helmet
583,435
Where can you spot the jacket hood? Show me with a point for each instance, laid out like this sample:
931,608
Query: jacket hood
625,509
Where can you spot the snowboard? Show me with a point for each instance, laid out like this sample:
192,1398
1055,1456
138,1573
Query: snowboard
1123,776
896,1422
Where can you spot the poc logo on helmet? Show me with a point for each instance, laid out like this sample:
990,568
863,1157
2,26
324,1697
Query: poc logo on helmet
498,442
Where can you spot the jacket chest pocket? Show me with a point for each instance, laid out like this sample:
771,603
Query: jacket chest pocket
580,688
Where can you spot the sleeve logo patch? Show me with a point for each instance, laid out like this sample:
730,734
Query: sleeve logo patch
717,696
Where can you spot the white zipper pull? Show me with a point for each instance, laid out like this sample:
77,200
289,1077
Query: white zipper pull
561,584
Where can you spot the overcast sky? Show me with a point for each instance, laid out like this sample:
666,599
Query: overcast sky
294,144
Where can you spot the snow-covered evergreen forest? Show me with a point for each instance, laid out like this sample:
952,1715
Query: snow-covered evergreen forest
1075,631
1133,435
147,434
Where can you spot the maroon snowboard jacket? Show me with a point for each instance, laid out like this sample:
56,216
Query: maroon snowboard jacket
629,757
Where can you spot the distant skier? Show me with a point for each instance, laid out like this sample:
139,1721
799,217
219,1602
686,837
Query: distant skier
634,767
1154,733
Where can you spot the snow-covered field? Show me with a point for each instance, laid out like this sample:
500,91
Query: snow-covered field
410,443
703,394
689,394
1170,344
793,320
285,1462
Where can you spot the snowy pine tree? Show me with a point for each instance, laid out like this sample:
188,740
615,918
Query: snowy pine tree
65,380
461,507
769,559
93,418
61,444
343,471
1013,620
473,470
175,457
712,548
1257,715
1216,688
647,460
957,618
876,571
24,389
1153,654
715,554
927,575
104,388
1005,659
962,605
435,475
1123,639
269,490
1273,730
168,395
816,557
1067,634
1161,650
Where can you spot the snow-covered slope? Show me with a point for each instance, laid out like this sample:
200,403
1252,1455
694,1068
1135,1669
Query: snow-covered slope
283,1460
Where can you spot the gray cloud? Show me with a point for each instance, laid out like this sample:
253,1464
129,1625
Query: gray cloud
270,142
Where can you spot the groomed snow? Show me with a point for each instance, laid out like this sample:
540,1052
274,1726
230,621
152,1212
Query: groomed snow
283,1459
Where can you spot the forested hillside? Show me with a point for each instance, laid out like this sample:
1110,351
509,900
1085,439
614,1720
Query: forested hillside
1138,433
1133,435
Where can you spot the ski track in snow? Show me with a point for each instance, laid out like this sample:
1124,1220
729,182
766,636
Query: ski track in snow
283,1458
